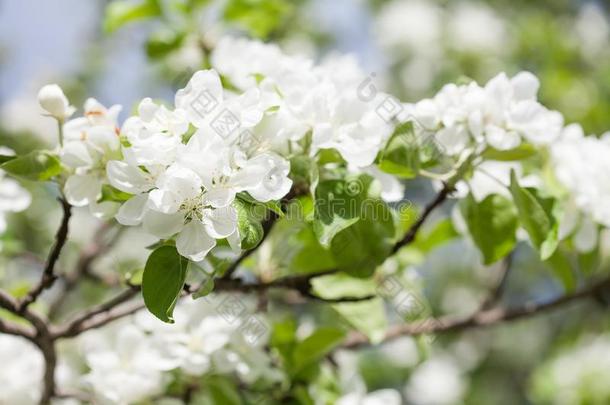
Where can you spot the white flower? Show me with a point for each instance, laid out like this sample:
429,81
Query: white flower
13,197
21,371
52,98
581,165
125,366
577,375
89,142
154,134
501,115
438,381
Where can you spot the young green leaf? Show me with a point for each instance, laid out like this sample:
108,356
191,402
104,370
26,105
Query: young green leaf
315,347
36,165
359,249
536,216
492,224
401,154
521,152
119,13
339,205
249,223
163,280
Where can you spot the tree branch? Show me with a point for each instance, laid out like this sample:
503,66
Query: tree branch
48,276
267,226
481,318
412,232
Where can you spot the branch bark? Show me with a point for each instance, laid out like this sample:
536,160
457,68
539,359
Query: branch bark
48,275
481,318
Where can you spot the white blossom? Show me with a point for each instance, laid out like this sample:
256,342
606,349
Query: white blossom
52,98
501,115
21,371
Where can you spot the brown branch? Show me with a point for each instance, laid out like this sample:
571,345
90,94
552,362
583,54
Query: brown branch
83,265
496,293
10,328
48,276
412,232
75,326
481,318
267,226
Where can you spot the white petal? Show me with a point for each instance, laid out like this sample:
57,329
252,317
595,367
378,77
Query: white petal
162,225
219,196
194,242
81,190
132,211
221,222
525,86
585,238
126,177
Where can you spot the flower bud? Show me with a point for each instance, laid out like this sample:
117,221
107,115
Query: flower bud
52,98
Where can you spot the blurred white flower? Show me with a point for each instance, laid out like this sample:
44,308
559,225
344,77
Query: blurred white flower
438,381
577,374
21,371
475,27
379,397
124,366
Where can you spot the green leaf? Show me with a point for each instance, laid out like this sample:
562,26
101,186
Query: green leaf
366,316
6,158
521,152
359,249
304,172
206,288
273,206
223,391
492,224
36,165
560,264
401,154
110,193
249,224
163,42
536,217
119,13
315,347
338,205
163,280
259,17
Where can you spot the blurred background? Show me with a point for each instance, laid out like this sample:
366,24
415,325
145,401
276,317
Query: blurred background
411,48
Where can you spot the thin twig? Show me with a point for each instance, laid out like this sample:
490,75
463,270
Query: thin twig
481,318
267,226
412,232
48,275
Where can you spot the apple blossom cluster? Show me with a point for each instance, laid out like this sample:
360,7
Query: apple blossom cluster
580,165
183,167
502,114
133,360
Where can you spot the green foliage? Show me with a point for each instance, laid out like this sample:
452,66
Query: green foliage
313,348
259,17
162,43
536,217
119,13
163,280
360,248
249,223
492,224
401,154
36,165
110,193
521,152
